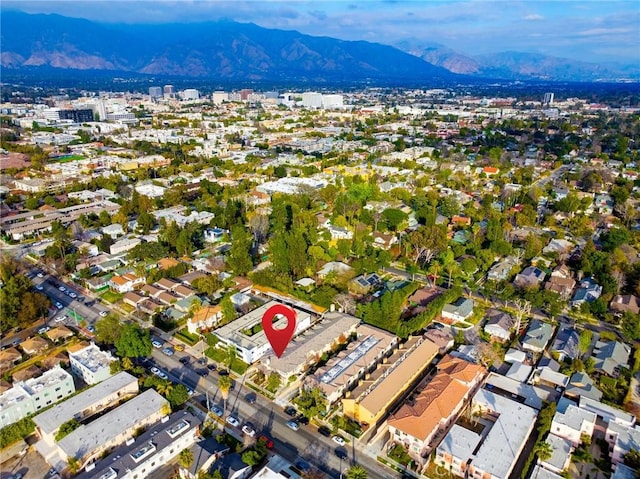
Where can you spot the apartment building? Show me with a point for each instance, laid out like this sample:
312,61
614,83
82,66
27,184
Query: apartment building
91,440
308,347
370,401
85,404
28,397
90,363
572,423
158,445
422,421
360,358
253,346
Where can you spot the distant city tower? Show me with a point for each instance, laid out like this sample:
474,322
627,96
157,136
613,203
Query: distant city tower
548,99
168,91
155,92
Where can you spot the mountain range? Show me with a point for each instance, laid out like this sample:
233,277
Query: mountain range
227,50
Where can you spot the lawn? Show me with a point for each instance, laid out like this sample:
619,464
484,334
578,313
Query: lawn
185,336
111,297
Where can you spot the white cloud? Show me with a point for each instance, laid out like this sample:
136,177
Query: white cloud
533,17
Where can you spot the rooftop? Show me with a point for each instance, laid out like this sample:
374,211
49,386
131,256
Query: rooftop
51,419
92,358
124,418
460,442
501,446
21,390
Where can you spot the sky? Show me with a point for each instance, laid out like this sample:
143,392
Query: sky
587,30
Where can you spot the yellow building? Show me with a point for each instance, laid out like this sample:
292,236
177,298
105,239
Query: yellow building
383,388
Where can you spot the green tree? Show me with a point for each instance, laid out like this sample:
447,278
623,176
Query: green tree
73,463
229,312
224,385
394,218
273,382
357,472
543,450
146,222
630,325
632,459
133,342
251,458
239,257
179,394
311,402
185,458
584,340
108,329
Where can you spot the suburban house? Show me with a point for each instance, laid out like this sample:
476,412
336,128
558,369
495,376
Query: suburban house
125,283
566,344
529,277
588,292
622,439
537,336
500,271
362,284
499,325
560,458
561,282
459,310
610,356
582,386
627,303
206,317
421,421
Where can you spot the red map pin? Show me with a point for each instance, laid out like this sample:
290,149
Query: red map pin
279,338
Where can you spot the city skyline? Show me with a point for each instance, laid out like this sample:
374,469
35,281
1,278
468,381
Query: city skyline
586,31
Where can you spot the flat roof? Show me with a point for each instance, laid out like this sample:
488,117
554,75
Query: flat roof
314,339
460,442
607,412
92,358
162,434
399,375
533,396
502,444
89,437
233,330
30,387
51,419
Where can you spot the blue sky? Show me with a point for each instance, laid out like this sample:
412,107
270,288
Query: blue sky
588,30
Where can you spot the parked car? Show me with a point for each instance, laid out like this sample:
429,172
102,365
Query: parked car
325,431
341,452
168,351
267,442
91,328
59,305
103,313
290,411
39,287
179,347
293,425
217,411
302,419
211,367
251,398
62,288
184,360
233,421
203,372
43,329
302,465
156,343
154,370
338,440
59,319
249,430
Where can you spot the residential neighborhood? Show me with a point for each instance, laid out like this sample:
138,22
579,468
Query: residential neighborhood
463,271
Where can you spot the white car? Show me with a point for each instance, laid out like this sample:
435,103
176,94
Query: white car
103,313
39,287
73,295
248,430
155,370
59,319
40,275
233,421
339,440
156,343
58,305
62,288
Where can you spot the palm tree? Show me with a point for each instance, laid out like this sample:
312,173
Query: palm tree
185,458
164,387
357,472
224,385
543,450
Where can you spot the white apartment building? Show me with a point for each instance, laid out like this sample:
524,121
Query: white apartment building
573,423
28,397
91,364
251,348
140,456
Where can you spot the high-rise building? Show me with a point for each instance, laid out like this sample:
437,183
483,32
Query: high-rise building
219,97
312,100
548,99
77,116
155,92
244,93
168,91
190,94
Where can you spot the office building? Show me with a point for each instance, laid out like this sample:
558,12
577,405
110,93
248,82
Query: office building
168,91
312,100
219,97
548,99
190,94
155,92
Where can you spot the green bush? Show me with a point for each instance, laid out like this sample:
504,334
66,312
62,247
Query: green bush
16,431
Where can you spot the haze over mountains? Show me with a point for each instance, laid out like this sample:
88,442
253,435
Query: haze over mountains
239,51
